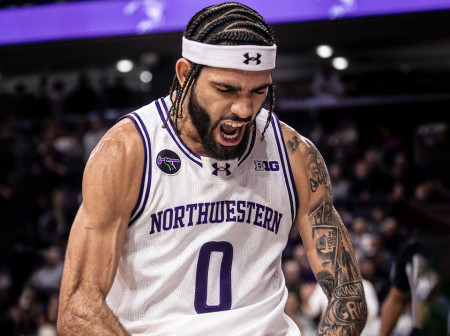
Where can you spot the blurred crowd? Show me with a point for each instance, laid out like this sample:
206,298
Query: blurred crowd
379,185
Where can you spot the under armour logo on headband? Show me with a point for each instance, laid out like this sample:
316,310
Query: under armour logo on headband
256,59
241,57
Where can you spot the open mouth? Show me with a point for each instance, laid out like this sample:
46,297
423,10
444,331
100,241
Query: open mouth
231,132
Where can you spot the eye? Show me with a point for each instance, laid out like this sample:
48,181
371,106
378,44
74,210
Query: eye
225,90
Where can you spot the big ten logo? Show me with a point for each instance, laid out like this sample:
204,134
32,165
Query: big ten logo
267,165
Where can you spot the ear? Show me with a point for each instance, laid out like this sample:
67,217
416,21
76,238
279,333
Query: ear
182,68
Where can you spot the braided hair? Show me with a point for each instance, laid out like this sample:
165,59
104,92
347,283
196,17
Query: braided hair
230,23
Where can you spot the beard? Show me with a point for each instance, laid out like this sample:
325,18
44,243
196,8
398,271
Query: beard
201,120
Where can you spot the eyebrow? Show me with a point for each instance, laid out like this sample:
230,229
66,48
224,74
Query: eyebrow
238,88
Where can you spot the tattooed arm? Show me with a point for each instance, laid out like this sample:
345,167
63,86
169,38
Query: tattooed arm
326,240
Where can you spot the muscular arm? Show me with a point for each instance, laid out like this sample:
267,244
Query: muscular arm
392,309
326,240
110,189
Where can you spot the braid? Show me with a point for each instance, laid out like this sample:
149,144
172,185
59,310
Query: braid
180,94
230,23
271,107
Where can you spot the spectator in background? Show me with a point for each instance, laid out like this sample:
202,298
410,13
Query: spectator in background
363,189
47,279
339,183
292,310
317,135
68,143
41,100
390,235
306,273
84,98
48,317
397,198
5,286
360,237
119,95
56,99
383,263
314,303
7,166
93,135
291,270
327,84
387,142
21,102
342,141
414,277
377,216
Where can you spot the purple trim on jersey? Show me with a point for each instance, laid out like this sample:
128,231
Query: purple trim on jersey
285,162
145,186
252,143
178,141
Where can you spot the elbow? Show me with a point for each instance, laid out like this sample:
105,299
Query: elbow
70,323
63,321
357,313
356,307
69,319
60,328
364,310
79,312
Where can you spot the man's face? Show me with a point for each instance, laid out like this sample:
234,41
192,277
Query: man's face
223,104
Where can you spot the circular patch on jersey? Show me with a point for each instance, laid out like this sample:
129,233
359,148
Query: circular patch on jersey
168,162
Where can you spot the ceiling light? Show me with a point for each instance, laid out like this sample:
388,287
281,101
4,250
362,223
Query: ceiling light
146,77
340,63
324,51
124,66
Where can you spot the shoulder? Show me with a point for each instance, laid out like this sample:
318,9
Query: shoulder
297,145
307,164
121,140
114,168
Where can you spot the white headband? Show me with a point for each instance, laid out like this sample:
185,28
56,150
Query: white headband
242,57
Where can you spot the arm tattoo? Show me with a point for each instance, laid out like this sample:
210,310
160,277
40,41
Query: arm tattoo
293,144
317,169
339,277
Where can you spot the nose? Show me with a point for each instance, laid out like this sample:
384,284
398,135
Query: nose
242,107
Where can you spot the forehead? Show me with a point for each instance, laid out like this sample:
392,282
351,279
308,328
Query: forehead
241,78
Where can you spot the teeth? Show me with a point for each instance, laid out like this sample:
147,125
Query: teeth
230,136
232,124
236,126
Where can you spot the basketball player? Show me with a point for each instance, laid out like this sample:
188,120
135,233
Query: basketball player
188,203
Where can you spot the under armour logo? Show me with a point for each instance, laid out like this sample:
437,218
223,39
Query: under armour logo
256,59
218,169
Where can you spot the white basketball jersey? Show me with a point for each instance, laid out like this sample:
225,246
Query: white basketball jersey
202,254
